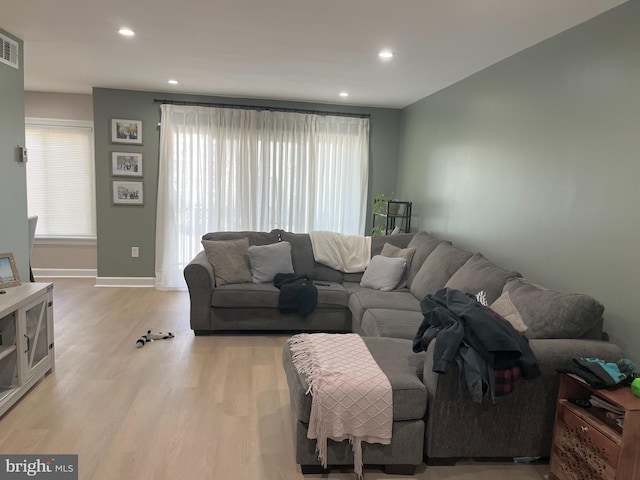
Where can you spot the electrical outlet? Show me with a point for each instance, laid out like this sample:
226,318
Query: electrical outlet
135,252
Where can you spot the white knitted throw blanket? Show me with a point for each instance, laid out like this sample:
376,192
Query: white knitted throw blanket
347,253
352,397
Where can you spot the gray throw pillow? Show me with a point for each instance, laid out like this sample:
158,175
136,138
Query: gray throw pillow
230,260
383,273
268,260
479,274
392,251
551,314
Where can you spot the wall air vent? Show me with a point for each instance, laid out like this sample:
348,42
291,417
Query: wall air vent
9,51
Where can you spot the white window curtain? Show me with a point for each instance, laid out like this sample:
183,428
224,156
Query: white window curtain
226,169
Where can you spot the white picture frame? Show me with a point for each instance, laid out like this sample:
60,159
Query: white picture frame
127,192
126,131
9,276
126,164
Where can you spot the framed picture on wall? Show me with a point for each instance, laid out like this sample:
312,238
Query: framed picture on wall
9,276
127,193
126,164
126,131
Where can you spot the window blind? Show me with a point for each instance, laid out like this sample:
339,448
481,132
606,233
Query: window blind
60,177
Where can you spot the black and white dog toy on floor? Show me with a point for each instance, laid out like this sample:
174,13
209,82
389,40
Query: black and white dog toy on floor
150,337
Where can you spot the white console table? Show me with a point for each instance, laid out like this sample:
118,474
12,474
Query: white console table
26,339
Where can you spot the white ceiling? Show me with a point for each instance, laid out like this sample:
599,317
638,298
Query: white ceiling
279,49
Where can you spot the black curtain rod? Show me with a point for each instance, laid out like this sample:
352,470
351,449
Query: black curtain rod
261,107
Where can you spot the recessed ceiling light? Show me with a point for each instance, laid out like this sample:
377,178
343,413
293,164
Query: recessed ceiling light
344,94
173,82
386,54
126,32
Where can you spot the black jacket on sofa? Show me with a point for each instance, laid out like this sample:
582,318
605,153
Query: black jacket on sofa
298,294
462,323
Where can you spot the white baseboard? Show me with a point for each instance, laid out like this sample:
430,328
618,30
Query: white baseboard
65,272
125,282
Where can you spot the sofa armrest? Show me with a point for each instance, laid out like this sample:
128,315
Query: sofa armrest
201,280
552,355
458,427
558,354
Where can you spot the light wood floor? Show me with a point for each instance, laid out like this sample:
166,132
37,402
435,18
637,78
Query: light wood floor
185,408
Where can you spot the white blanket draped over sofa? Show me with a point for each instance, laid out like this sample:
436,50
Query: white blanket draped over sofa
347,253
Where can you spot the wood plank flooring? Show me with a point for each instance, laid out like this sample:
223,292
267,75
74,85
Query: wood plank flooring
186,408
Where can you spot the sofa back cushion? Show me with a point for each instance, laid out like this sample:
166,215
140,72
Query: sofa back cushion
437,269
424,243
401,240
479,274
552,314
254,238
303,260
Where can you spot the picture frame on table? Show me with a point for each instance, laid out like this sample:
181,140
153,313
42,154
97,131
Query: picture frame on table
126,131
126,192
9,276
126,164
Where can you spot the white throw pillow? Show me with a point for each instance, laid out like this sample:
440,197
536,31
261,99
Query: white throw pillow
383,273
268,260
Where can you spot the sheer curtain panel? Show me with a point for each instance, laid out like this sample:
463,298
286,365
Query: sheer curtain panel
225,169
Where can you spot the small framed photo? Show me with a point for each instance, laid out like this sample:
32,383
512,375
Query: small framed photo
125,164
126,131
9,276
127,193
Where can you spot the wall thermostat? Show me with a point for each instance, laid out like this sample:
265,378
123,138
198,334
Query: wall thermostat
22,155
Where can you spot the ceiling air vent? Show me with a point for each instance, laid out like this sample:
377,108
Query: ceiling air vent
8,51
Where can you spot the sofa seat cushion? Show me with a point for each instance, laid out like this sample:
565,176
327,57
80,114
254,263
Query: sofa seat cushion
383,322
396,359
265,295
363,300
437,269
479,274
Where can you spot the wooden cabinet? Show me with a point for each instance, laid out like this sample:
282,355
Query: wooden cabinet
589,445
26,339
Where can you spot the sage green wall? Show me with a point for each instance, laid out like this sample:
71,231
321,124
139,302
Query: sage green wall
14,236
121,227
535,162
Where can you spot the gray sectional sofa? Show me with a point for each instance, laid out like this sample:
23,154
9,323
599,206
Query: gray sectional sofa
561,327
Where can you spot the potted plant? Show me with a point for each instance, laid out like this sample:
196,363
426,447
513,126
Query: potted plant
380,206
380,203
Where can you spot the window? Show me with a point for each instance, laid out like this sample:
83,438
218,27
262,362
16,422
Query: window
227,169
60,177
